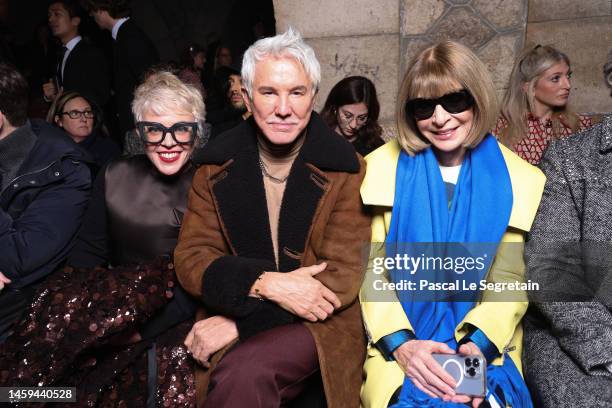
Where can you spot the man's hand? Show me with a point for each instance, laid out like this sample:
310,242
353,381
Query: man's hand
415,359
49,90
3,281
209,336
299,292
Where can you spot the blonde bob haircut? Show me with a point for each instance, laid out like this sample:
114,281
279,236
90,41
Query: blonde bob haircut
163,93
440,69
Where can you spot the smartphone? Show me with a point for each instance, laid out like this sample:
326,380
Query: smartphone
470,372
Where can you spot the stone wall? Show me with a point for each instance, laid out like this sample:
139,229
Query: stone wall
377,39
348,42
583,30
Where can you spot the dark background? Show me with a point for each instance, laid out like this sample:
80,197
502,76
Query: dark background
171,25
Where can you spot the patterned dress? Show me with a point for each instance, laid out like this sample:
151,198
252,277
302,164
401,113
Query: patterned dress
541,133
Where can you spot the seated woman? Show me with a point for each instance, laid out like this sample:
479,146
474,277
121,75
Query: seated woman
116,334
534,109
446,180
82,121
351,110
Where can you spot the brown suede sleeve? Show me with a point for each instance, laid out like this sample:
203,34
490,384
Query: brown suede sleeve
345,236
201,239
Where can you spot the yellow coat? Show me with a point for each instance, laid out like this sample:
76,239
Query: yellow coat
498,320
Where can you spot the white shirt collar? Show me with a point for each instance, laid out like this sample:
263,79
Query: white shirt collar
72,43
117,26
69,47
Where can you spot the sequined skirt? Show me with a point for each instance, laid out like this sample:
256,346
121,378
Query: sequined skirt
75,334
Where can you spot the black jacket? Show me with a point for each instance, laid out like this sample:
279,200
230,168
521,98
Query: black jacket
42,207
86,71
134,53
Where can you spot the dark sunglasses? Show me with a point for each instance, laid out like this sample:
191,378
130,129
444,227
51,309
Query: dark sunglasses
455,102
153,133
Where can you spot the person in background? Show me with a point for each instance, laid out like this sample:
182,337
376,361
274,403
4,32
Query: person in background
44,191
535,108
133,53
131,315
446,180
193,59
223,57
82,121
235,110
80,67
351,110
215,78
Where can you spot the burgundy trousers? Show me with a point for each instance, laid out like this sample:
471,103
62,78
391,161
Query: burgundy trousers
268,370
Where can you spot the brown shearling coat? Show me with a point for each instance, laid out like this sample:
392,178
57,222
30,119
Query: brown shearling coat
225,244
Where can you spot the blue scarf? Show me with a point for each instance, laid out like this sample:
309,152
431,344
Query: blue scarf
479,214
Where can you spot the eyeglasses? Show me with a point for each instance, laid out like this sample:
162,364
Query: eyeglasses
153,133
76,114
455,102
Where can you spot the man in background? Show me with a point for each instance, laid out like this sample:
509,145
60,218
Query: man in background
80,66
133,53
235,110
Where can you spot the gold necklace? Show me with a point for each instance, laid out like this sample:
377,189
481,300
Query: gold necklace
264,171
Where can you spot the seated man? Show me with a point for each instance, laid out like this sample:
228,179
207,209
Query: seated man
278,283
44,189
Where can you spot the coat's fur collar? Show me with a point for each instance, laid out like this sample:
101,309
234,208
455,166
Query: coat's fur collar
322,148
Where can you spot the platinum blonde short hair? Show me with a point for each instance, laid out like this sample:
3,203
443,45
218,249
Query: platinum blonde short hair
440,69
164,93
288,44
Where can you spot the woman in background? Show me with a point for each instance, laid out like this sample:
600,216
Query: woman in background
351,110
192,63
82,121
534,110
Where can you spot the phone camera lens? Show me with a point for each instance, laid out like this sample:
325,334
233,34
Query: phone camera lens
468,362
471,371
476,363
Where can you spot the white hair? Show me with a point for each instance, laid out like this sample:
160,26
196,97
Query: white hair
288,44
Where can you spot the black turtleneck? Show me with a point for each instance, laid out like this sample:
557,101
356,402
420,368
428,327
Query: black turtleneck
14,149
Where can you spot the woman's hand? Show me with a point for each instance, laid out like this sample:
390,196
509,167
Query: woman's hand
209,336
415,359
470,349
299,292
